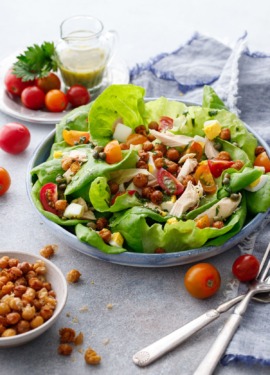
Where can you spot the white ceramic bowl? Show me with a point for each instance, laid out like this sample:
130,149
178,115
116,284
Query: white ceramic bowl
59,285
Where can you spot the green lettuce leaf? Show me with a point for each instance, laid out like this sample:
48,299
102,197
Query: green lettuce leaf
164,107
211,99
259,201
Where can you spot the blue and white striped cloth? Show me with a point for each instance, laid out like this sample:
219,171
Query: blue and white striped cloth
242,80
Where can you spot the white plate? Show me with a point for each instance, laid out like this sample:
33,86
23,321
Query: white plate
117,72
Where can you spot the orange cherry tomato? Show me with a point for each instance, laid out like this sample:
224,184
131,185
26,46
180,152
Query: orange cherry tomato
203,222
202,280
56,101
113,152
135,139
74,137
195,148
205,177
262,160
5,181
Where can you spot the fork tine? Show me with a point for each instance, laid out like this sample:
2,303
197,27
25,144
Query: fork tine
262,274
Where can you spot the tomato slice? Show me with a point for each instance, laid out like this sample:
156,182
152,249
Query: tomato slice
262,160
205,177
218,166
169,183
48,196
74,137
195,148
165,123
135,139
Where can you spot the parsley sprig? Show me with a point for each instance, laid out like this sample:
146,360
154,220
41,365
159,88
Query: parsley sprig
36,62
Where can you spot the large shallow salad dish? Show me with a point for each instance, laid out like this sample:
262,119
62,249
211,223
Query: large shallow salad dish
150,182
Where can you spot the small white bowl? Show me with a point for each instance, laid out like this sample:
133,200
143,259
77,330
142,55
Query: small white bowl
59,285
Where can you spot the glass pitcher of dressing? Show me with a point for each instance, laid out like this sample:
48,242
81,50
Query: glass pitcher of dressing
84,51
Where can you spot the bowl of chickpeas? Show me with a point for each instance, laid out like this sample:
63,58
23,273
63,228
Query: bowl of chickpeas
33,293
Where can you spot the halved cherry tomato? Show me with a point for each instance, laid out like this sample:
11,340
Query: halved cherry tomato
202,280
246,267
169,183
5,181
218,166
48,196
262,160
165,123
203,222
135,139
205,177
74,137
195,148
113,152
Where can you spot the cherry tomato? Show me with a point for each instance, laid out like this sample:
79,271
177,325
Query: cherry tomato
169,183
135,139
205,177
203,222
195,148
14,138
78,95
56,101
165,123
50,82
113,152
74,137
48,196
33,98
218,166
5,181
202,280
262,160
15,85
246,267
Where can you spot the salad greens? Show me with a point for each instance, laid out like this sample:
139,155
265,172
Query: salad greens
207,180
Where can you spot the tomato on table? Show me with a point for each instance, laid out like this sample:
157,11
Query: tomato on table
202,280
5,181
74,137
48,196
78,95
204,175
262,160
14,138
50,82
169,183
14,84
33,98
246,267
56,101
218,166
113,152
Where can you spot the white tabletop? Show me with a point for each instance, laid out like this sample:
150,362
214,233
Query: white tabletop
147,303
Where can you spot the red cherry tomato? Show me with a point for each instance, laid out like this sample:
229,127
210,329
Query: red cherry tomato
48,196
218,166
202,280
262,160
14,138
246,267
56,101
78,95
15,85
50,82
165,123
33,98
169,183
5,181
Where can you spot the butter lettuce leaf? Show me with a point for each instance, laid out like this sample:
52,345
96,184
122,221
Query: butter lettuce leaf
259,201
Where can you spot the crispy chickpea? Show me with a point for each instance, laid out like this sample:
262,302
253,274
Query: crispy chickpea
65,349
23,326
50,301
48,251
30,274
238,164
224,155
15,272
159,162
79,339
153,125
4,308
29,295
105,234
19,290
20,281
156,155
173,154
2,328
13,318
101,223
140,180
61,204
37,304
147,191
188,178
4,279
8,288
141,129
141,164
28,312
218,224
47,285
25,267
143,155
259,150
36,321
46,312
156,197
66,163
91,357
147,146
67,335
35,283
9,332
4,261
114,187
151,137
13,262
171,166
73,276
161,147
16,304
75,167
225,134
124,146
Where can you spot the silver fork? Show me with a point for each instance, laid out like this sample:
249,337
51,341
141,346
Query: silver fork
157,349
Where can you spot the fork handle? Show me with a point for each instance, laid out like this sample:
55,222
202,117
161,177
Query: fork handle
152,352
211,359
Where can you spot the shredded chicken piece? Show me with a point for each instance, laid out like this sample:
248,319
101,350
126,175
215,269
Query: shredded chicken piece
188,167
170,139
210,150
190,198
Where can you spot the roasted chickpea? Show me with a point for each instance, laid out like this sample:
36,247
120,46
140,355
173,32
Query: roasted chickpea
159,162
143,155
105,234
13,318
156,197
79,339
173,154
61,205
23,326
114,187
224,155
238,164
16,304
65,349
147,191
259,150
225,134
141,129
25,267
75,167
9,332
141,164
36,321
35,283
13,262
46,312
4,262
188,178
153,125
91,357
140,180
4,308
101,223
218,224
28,312
20,281
66,163
161,147
48,251
157,154
67,335
147,146
171,166
73,276
124,146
